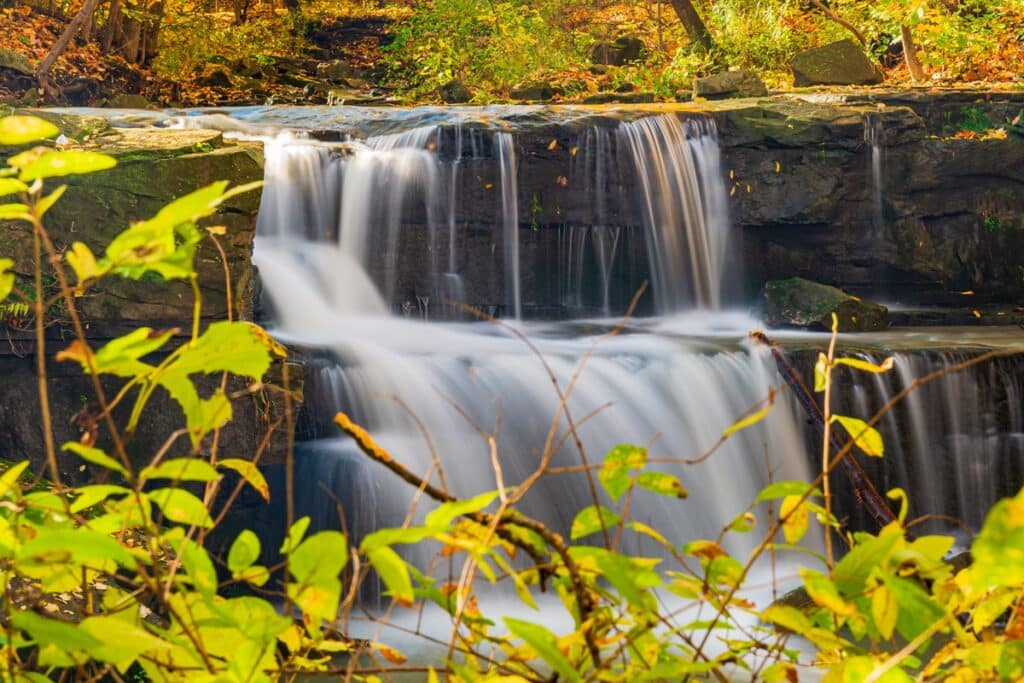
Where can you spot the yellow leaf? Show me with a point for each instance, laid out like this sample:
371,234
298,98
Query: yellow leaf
976,313
778,167
390,654
858,364
796,518
751,419
884,611
821,373
866,437
553,145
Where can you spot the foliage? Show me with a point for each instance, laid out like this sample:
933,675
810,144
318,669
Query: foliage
153,600
493,46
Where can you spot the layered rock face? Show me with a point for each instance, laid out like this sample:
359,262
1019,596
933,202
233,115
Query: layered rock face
154,167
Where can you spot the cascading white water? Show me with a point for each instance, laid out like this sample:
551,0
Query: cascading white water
460,379
685,209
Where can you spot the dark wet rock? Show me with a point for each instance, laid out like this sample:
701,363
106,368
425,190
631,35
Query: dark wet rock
619,52
797,302
454,92
619,98
16,62
839,63
532,92
128,101
214,77
739,83
335,71
249,68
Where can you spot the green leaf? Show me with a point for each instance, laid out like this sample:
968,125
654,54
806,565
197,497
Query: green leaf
851,573
250,473
545,644
182,507
393,572
884,611
15,212
240,348
821,370
121,640
998,550
21,130
867,438
181,469
319,600
73,547
244,551
387,537
193,206
94,456
795,621
47,202
65,163
589,520
11,186
64,635
295,534
824,593
615,471
6,277
320,557
663,484
447,512
628,575
782,489
87,496
198,566
917,610
9,478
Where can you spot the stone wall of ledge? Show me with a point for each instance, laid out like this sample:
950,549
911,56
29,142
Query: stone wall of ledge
154,167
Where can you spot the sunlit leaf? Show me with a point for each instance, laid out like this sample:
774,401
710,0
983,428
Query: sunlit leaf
781,489
545,644
250,473
11,186
663,484
83,262
751,419
866,437
884,610
824,593
181,469
592,519
321,556
295,535
865,366
21,130
615,474
795,518
393,572
6,277
15,212
821,371
198,566
446,512
65,163
94,456
181,506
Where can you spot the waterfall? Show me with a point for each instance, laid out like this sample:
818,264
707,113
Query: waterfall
505,144
679,179
874,131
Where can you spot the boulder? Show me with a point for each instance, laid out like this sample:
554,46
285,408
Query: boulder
797,302
335,71
454,92
16,61
839,63
532,91
214,77
126,101
618,52
739,83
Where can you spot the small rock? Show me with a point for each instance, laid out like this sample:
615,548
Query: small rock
335,71
839,63
533,92
126,101
454,92
214,77
619,52
739,83
15,61
625,87
797,302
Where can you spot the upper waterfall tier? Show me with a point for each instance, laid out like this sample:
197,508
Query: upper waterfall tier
432,215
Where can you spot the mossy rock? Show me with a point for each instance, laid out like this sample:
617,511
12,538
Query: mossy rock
797,302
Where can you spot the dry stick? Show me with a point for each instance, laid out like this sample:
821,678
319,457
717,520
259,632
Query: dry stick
374,451
44,394
826,480
842,455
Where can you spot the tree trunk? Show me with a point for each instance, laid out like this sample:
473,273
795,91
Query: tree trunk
43,72
694,25
910,55
111,30
132,35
